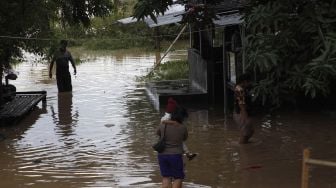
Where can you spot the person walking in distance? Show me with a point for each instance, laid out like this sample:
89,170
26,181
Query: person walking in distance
62,58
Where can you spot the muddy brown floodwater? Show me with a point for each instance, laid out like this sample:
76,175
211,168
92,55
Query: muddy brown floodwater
100,135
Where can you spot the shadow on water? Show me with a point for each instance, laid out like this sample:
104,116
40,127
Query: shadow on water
17,129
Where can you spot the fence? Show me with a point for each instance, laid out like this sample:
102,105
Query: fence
305,166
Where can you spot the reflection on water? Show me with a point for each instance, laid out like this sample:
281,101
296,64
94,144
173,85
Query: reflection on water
65,118
100,135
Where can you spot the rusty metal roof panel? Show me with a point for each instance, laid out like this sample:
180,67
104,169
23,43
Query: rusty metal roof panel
127,20
230,19
165,19
172,15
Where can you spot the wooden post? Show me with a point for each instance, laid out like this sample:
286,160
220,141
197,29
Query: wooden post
157,57
305,169
44,100
243,40
200,42
157,38
190,36
225,76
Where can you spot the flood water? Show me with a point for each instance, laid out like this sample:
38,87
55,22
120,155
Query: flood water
100,135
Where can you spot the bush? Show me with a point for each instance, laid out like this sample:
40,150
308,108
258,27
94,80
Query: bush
171,70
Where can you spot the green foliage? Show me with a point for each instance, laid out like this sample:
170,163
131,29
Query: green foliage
151,8
38,19
196,13
291,45
200,15
171,70
106,34
80,11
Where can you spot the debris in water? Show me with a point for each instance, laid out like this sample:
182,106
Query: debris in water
109,125
36,161
253,167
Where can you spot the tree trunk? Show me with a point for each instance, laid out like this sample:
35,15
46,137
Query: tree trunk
157,38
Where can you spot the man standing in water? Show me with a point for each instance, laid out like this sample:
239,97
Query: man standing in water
242,108
62,58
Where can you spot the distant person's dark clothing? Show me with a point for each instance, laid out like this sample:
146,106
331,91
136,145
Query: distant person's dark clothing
62,71
62,58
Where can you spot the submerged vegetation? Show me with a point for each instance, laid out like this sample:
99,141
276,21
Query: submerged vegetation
170,70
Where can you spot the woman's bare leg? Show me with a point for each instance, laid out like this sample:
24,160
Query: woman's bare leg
166,182
177,183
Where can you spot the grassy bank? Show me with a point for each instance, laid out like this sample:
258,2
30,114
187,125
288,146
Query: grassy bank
108,34
171,70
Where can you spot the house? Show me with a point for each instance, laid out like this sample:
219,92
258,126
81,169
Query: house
215,55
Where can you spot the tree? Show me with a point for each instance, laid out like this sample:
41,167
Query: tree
150,8
196,10
22,20
291,45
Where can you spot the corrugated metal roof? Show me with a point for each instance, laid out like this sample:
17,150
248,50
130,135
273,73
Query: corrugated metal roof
165,19
127,20
230,19
172,15
227,5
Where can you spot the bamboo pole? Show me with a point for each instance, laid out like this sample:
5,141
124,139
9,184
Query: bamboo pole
171,45
321,162
305,169
305,166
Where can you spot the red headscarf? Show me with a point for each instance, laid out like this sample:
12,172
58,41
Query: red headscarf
171,106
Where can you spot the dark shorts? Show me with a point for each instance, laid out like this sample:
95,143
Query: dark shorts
171,165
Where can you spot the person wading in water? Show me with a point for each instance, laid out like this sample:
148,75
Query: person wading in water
242,108
62,58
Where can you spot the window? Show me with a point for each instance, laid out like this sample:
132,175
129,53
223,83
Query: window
232,67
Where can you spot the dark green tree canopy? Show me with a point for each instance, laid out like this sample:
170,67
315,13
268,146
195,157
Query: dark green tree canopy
21,19
197,11
150,8
291,45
